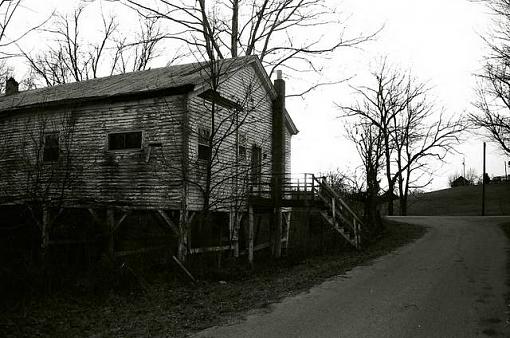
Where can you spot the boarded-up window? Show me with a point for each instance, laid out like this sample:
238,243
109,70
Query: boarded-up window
204,148
51,147
242,147
129,140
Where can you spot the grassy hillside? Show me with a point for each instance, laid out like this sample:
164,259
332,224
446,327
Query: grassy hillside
465,200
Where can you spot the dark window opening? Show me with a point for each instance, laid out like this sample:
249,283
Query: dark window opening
242,153
204,149
130,140
256,164
51,147
242,147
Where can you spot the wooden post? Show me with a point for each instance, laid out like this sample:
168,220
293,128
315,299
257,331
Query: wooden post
355,226
278,234
313,187
184,224
45,235
45,231
483,182
232,223
250,234
287,231
110,223
333,210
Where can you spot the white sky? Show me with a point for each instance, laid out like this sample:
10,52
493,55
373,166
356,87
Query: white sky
438,40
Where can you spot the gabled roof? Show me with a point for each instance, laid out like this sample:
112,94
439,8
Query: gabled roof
157,81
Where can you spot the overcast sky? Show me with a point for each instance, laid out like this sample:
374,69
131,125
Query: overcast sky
439,41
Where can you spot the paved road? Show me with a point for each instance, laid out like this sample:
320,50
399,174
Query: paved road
450,283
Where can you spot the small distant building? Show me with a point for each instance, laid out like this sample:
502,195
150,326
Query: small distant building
460,181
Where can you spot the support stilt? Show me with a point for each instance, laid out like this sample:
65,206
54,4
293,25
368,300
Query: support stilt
277,248
250,233
110,223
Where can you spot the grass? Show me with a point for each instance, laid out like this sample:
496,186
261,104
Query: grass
464,200
174,309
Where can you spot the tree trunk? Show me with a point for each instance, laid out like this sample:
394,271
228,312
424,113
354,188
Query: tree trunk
391,186
235,28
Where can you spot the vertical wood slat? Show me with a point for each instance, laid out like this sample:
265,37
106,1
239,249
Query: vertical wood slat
45,231
250,233
110,221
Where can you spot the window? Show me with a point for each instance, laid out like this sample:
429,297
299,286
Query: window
242,147
204,149
256,164
51,147
120,141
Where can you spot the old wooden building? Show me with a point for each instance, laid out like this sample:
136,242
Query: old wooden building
155,146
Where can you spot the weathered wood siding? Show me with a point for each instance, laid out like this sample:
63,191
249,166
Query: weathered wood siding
98,175
246,88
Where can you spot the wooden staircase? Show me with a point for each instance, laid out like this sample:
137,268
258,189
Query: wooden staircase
338,214
310,191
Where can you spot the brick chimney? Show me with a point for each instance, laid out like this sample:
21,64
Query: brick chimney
11,86
278,159
278,132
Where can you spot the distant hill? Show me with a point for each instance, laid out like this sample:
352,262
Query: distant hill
464,200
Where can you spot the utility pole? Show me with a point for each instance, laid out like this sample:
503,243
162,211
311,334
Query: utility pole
483,182
464,167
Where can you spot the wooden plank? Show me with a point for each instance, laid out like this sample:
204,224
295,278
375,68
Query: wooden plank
45,231
250,233
73,241
139,251
287,232
94,215
110,222
183,268
168,221
262,246
119,222
210,249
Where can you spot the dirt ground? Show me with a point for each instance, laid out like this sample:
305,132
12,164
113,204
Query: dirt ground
171,308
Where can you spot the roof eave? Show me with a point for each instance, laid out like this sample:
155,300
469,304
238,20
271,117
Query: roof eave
130,96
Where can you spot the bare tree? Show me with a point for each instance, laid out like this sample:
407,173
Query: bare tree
219,174
381,104
73,58
369,144
8,10
493,94
277,31
38,167
399,108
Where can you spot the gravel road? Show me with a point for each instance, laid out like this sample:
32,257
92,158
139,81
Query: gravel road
450,283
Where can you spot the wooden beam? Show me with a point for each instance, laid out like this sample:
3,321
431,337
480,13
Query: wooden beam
73,241
139,251
286,216
183,268
169,221
45,231
94,215
210,249
250,233
56,216
119,222
110,223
